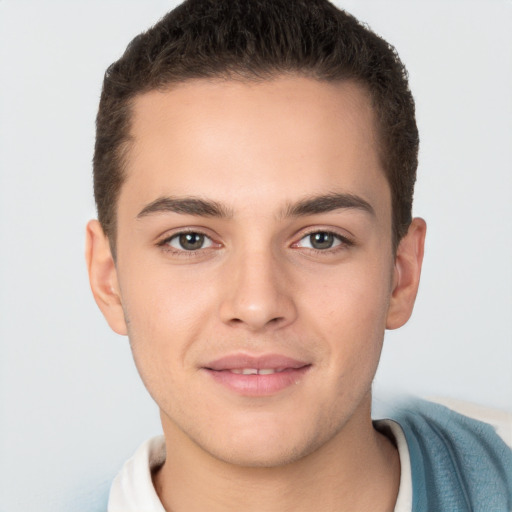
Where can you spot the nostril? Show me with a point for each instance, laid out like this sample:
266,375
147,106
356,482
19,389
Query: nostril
273,321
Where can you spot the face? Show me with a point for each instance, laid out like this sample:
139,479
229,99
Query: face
254,271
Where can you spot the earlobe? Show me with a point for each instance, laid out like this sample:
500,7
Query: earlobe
406,278
103,277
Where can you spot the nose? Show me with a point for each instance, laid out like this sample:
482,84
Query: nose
256,293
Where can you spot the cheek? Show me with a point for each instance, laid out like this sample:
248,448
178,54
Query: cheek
165,314
164,299
354,297
349,309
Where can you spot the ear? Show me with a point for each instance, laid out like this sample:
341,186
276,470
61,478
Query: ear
103,277
406,277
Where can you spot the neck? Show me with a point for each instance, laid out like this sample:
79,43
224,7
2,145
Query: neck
358,469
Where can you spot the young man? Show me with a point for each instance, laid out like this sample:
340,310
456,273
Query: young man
254,171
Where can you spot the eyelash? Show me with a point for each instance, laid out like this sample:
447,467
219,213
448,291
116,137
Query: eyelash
164,244
344,243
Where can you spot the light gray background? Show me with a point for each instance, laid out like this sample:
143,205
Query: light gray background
72,408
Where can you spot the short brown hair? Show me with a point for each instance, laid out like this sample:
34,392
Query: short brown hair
258,40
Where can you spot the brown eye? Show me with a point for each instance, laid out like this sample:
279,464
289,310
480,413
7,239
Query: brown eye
321,240
189,241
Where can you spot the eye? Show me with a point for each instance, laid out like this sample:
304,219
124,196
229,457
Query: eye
189,241
322,240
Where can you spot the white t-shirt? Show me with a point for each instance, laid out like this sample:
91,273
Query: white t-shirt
133,491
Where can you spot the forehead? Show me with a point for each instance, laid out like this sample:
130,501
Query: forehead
231,139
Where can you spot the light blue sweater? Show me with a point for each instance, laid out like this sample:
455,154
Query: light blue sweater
458,464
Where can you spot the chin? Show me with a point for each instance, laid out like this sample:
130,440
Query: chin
261,456
265,447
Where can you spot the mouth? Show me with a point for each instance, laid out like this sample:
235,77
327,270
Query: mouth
257,376
255,371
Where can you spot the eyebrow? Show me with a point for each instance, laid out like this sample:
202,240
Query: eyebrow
206,208
187,206
327,203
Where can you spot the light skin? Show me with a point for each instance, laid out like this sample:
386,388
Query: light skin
289,251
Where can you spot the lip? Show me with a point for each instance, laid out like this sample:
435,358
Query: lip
238,361
289,372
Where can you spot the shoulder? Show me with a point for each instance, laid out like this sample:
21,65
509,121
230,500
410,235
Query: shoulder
132,490
500,420
458,462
